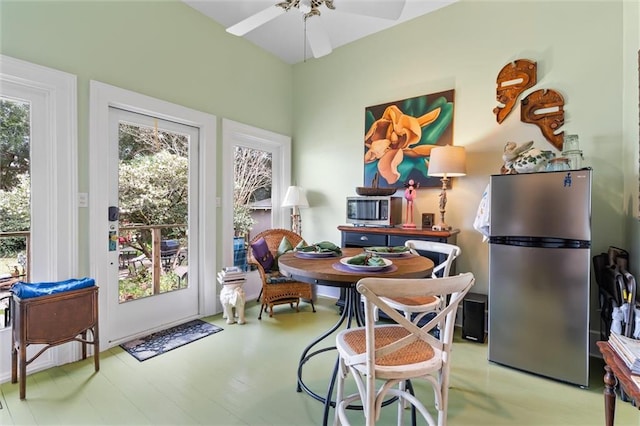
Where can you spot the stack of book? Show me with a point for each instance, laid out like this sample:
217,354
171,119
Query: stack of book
628,349
231,275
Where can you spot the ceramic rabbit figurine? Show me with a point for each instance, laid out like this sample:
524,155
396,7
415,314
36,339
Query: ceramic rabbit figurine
524,158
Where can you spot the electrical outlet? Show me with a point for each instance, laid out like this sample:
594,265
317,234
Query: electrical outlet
83,199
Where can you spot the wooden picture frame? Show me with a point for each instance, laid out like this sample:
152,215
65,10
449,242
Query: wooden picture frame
427,220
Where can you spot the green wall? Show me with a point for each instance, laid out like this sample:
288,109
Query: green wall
578,48
163,49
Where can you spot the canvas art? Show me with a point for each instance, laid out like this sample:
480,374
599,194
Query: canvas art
399,137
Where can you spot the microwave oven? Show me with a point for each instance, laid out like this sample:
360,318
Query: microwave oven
374,211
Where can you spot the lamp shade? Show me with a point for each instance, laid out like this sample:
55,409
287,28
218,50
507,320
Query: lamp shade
448,161
295,197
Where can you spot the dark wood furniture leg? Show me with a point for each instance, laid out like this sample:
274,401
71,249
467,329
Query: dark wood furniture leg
609,396
616,374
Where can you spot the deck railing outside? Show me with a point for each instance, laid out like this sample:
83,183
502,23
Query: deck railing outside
21,266
164,258
154,258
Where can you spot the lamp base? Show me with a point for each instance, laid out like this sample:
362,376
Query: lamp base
296,224
441,227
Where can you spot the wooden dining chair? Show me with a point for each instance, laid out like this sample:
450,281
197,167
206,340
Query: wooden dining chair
419,306
393,354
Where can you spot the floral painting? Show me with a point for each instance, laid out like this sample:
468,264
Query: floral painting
399,137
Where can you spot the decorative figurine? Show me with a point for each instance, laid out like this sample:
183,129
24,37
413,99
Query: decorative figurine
232,298
410,195
524,158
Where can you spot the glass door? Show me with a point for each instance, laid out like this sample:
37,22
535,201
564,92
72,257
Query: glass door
152,222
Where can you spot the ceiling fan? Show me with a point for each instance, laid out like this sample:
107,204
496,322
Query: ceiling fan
316,34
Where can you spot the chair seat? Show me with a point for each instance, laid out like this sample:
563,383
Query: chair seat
416,359
422,301
420,305
277,278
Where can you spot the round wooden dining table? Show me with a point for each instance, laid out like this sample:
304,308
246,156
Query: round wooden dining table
328,271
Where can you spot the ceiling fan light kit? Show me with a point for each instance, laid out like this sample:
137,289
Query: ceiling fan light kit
307,7
315,33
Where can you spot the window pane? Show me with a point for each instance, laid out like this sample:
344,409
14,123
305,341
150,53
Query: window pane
153,199
251,197
15,190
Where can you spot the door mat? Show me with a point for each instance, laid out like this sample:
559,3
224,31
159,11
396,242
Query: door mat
163,341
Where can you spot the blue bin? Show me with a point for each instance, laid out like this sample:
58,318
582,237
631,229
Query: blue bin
239,253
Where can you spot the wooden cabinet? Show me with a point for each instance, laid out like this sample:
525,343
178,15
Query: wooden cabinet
361,236
52,320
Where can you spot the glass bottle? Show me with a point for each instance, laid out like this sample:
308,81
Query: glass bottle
570,143
574,157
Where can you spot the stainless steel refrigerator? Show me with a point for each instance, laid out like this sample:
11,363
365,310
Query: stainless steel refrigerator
539,273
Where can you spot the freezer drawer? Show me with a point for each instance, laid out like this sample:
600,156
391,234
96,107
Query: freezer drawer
539,311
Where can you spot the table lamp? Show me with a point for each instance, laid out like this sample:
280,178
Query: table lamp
295,198
445,162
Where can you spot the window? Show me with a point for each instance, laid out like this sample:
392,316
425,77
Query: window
51,96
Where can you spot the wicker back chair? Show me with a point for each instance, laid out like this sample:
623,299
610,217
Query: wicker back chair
277,289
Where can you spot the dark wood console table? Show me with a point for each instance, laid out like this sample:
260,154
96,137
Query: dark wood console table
615,368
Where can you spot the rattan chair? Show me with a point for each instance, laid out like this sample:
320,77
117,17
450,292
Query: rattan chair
277,289
393,354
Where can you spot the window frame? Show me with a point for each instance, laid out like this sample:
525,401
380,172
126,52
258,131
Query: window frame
54,184
238,134
102,97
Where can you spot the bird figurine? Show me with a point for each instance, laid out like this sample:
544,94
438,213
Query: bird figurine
524,158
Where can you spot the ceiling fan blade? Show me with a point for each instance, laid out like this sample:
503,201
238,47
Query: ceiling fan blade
254,21
317,37
387,9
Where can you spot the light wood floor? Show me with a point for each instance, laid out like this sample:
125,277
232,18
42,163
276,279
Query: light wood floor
246,375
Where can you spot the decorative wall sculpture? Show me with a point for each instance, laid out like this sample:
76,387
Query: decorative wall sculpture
513,79
545,109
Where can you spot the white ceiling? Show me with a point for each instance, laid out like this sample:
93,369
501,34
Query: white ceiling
284,35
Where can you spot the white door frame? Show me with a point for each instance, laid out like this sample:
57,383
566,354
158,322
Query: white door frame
135,317
238,134
103,96
54,187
